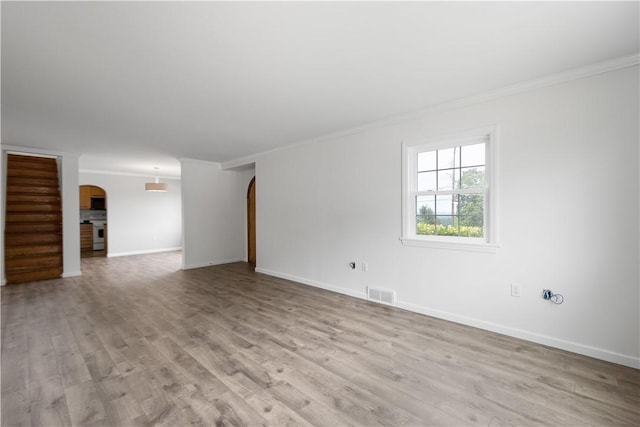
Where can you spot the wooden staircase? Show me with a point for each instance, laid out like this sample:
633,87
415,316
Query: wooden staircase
33,227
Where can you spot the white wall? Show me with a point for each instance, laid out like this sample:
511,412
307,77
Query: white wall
138,221
568,207
214,214
70,215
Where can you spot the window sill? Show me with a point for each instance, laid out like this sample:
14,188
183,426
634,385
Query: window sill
456,246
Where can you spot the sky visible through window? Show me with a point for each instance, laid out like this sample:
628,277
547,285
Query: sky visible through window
443,169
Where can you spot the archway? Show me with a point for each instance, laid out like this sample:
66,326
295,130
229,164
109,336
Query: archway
251,222
93,221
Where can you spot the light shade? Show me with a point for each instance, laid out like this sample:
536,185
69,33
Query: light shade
155,186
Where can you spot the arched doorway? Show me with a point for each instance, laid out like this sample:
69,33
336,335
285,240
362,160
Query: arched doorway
93,221
251,222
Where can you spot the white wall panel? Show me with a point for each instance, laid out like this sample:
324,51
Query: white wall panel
139,221
214,214
567,216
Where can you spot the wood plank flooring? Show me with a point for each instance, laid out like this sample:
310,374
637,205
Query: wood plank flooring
136,341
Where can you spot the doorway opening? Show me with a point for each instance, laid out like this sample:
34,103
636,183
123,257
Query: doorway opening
251,222
93,221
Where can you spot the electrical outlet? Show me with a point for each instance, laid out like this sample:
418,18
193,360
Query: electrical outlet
515,290
365,266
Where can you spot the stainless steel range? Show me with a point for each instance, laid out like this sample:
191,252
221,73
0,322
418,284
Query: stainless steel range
98,220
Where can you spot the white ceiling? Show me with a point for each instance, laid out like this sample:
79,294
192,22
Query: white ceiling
132,85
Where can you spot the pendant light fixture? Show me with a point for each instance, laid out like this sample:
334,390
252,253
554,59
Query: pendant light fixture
157,186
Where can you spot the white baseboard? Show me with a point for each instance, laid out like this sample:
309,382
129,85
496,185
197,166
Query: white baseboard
147,251
313,283
598,353
573,347
211,263
71,274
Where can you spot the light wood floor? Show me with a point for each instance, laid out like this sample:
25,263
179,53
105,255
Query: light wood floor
136,341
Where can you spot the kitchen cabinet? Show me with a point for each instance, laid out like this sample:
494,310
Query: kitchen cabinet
88,192
85,197
86,237
97,191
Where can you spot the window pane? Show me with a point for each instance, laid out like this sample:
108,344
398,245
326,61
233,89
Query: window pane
472,177
446,220
471,210
427,181
445,205
458,169
427,161
473,155
426,205
446,226
425,215
449,158
448,179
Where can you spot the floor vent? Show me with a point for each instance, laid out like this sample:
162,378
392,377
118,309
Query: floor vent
381,295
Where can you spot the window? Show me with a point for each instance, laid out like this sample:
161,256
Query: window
448,193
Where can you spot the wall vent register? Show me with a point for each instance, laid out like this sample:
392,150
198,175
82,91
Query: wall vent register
383,296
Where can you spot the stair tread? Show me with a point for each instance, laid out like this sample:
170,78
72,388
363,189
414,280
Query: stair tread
33,219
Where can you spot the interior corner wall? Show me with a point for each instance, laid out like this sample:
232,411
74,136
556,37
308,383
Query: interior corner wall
213,214
567,216
70,215
138,221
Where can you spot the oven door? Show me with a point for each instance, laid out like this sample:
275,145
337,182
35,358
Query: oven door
98,237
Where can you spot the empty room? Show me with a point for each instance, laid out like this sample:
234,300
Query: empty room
320,213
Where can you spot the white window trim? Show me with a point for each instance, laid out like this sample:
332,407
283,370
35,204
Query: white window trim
409,174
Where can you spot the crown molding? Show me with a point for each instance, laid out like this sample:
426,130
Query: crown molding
245,162
550,80
204,162
133,174
38,152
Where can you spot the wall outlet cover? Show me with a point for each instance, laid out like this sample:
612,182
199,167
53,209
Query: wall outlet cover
516,290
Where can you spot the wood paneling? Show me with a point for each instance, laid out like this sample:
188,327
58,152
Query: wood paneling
30,170
18,198
37,227
28,162
40,249
138,341
36,190
33,220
